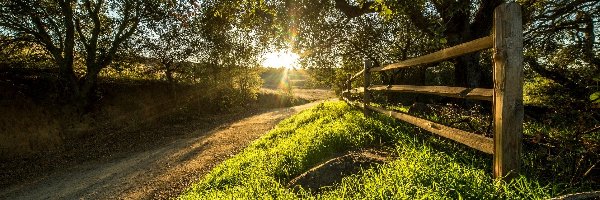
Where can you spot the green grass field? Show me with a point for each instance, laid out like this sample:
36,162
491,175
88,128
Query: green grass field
425,166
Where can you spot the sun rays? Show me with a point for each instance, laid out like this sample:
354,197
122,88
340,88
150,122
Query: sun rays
281,59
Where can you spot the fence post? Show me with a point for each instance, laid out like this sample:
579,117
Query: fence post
508,90
348,86
367,82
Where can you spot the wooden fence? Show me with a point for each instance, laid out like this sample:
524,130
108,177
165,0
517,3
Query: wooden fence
507,94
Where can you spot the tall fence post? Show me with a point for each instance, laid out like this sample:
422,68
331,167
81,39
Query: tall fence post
348,86
508,90
367,82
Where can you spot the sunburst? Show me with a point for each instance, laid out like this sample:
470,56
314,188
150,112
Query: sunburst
281,59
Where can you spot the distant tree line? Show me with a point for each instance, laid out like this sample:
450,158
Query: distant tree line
84,37
192,41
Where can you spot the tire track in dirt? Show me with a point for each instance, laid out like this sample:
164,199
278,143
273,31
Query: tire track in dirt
160,173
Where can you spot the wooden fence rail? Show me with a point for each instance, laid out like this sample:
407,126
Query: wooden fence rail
444,54
507,94
456,92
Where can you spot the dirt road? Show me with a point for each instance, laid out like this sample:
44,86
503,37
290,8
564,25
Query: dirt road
159,173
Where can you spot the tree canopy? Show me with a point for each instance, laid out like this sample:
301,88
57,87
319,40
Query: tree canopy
84,37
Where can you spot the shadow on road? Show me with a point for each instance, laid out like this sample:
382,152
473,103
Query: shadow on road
156,160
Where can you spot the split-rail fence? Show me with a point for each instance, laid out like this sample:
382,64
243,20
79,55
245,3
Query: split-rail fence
506,41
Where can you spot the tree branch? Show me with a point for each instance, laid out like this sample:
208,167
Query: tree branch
42,35
415,14
482,22
574,89
354,11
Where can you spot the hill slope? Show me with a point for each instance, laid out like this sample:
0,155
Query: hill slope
424,166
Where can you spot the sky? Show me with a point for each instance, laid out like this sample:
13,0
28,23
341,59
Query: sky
282,58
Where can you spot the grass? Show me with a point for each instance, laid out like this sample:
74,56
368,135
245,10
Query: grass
426,166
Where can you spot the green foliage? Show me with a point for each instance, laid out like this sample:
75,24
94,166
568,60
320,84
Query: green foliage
561,44
419,170
595,97
236,86
538,90
295,145
139,39
22,55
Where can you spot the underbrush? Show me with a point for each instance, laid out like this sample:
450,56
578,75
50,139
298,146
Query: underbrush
556,152
426,166
279,98
35,119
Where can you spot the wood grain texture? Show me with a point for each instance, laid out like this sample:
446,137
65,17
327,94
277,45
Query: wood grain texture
456,92
348,85
357,90
357,75
472,140
366,83
461,49
508,90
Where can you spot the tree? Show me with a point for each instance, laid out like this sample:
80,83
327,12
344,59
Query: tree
452,21
49,24
333,42
371,28
172,39
561,39
562,43
67,29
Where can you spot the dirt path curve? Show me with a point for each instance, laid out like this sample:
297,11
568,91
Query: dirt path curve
154,174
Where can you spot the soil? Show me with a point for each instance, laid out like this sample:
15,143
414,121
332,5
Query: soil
332,171
157,159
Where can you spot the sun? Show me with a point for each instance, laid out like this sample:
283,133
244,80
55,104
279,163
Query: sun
281,59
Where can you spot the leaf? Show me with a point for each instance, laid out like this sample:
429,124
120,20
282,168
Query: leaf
443,41
595,97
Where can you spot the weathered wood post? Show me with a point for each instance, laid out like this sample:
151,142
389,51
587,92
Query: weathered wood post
367,82
348,86
508,90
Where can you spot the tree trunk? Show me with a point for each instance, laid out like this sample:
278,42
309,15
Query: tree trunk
469,73
84,98
170,79
169,73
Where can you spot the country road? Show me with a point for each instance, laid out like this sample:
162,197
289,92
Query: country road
157,173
